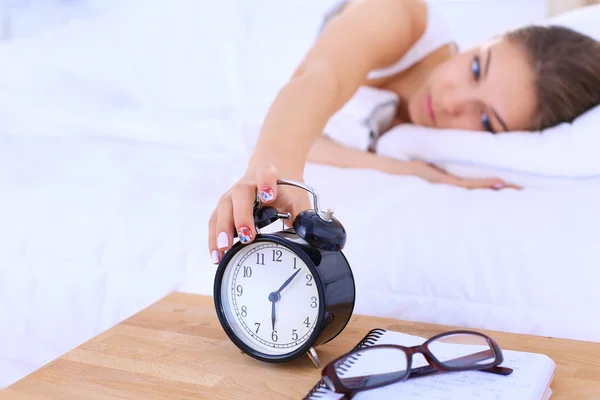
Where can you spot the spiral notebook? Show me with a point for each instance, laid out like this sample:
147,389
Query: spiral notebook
530,380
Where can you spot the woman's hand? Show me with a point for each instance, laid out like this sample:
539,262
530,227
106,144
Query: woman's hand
328,152
235,207
434,174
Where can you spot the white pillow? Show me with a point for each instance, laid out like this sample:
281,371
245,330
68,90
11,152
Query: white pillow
563,155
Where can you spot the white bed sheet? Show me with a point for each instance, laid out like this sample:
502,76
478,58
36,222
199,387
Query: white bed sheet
110,228
522,261
103,140
91,233
105,193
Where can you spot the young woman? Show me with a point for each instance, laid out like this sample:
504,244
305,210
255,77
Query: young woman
527,79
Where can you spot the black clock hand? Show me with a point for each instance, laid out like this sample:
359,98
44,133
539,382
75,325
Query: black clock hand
275,296
291,278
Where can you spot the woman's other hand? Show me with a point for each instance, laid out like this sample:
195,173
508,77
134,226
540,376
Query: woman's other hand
435,174
235,207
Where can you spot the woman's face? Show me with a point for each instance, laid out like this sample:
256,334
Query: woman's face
489,88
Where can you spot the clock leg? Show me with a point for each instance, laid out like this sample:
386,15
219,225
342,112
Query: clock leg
312,354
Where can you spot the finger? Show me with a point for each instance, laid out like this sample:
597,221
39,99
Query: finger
224,225
297,204
473,183
513,186
434,174
448,179
243,196
212,238
267,183
444,177
493,183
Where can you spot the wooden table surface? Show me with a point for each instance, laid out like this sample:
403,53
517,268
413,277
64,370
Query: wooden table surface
176,349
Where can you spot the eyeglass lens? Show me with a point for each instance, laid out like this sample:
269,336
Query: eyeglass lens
462,350
372,367
376,366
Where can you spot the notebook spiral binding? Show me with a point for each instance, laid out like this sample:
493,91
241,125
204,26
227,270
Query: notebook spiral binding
321,389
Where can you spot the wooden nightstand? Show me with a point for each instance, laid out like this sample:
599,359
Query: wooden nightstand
176,349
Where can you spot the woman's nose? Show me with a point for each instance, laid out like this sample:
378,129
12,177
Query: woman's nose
457,101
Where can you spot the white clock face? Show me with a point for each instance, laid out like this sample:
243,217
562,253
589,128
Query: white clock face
270,298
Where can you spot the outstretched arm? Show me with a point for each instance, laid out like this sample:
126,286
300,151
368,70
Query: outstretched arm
327,152
368,34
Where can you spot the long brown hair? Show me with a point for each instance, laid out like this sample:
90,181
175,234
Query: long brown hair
566,66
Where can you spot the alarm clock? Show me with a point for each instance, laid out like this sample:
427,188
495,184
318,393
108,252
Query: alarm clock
289,291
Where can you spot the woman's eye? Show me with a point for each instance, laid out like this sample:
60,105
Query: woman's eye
476,67
485,120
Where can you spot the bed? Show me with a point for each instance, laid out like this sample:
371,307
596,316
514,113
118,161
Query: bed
108,177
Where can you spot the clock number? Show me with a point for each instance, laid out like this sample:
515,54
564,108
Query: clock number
310,278
257,324
247,272
295,267
294,335
306,322
313,303
277,253
274,336
239,290
244,311
260,259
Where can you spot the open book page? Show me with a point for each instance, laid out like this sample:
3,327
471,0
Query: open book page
529,381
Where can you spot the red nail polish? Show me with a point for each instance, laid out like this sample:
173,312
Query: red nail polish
245,234
267,194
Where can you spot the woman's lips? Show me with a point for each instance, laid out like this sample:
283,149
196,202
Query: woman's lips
429,107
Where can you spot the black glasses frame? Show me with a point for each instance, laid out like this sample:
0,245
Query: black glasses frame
464,363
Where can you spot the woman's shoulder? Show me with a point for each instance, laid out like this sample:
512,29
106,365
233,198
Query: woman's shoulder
386,22
417,9
435,32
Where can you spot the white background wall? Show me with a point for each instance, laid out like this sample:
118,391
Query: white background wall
560,6
471,19
474,19
20,18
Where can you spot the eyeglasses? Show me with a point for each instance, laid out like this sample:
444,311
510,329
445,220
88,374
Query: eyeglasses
384,364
